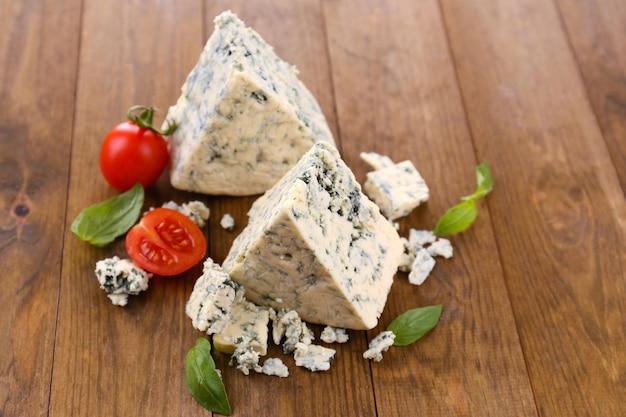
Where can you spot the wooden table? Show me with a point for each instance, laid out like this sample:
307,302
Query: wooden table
534,313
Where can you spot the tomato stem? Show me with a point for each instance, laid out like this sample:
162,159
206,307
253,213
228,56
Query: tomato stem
145,119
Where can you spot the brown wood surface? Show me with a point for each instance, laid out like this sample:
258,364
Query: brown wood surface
534,317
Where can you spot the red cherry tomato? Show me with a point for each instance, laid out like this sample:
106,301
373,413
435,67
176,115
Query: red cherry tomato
132,154
166,242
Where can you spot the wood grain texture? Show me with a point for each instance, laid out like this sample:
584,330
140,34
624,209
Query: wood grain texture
597,35
397,94
559,214
36,110
123,361
533,299
296,31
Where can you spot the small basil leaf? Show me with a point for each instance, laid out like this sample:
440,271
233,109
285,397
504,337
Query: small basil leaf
456,219
413,324
484,180
101,223
203,381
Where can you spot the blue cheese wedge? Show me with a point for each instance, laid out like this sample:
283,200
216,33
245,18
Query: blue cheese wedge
317,245
121,278
212,299
396,189
244,118
247,324
313,357
381,343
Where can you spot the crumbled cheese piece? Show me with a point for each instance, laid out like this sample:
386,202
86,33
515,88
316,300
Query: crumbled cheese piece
121,278
227,222
288,324
334,335
313,357
275,367
247,358
396,189
244,118
316,244
247,322
212,298
407,257
376,161
381,343
419,238
421,268
440,247
195,210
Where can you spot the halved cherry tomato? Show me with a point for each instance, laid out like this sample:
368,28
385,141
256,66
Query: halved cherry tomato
135,151
165,242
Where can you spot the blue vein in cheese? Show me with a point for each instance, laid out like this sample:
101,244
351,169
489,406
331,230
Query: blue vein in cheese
212,299
313,357
381,343
121,278
316,244
244,118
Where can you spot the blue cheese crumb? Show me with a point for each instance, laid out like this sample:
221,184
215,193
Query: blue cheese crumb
378,345
334,335
396,189
121,278
425,244
275,367
313,357
195,210
227,222
421,267
441,247
375,160
212,299
289,325
246,358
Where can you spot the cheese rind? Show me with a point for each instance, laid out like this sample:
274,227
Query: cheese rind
316,244
244,119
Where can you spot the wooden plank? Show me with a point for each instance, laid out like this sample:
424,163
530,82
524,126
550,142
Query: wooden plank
397,94
113,361
296,31
36,108
558,211
597,35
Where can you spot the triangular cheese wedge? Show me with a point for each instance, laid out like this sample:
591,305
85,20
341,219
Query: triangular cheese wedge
244,119
316,244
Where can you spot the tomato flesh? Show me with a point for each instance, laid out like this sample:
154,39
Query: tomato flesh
132,154
166,242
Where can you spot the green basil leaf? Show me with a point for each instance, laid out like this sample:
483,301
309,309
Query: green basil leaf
483,180
101,223
457,218
411,325
203,381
